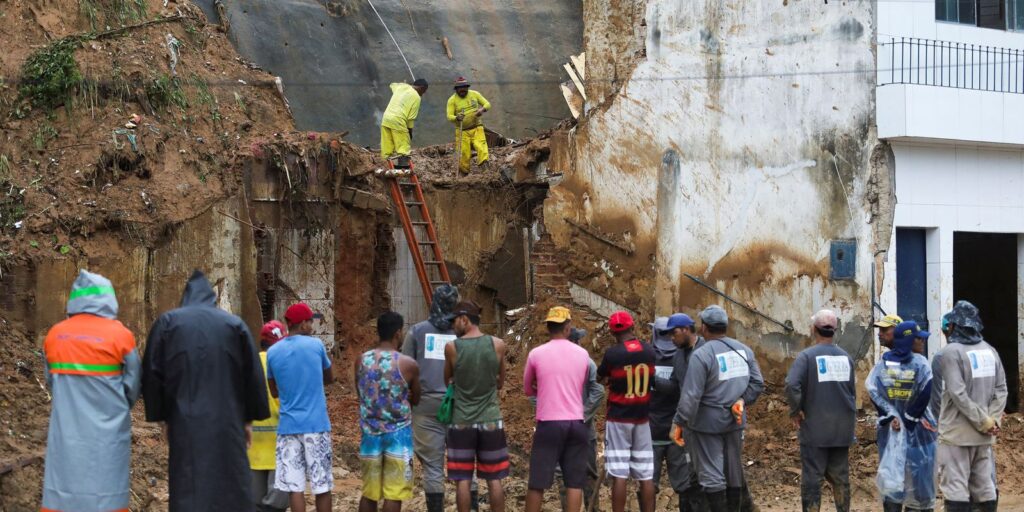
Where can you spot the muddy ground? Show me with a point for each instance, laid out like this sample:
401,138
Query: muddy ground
771,449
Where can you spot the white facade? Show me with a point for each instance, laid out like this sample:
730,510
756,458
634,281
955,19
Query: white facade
958,145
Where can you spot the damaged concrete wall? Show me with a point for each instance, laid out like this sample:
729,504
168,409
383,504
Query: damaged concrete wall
738,148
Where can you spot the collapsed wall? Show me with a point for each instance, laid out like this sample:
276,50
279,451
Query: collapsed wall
736,151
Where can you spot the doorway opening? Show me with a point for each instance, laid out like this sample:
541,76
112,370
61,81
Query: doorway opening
985,273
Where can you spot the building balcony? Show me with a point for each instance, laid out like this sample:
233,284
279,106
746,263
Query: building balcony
932,90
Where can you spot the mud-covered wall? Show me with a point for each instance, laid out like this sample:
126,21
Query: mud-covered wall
738,148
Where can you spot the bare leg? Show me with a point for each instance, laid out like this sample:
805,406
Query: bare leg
462,495
497,495
618,494
534,497
573,500
367,505
392,506
647,496
323,502
297,501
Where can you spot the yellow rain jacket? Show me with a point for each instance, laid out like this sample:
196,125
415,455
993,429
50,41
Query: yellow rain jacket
403,108
264,432
467,106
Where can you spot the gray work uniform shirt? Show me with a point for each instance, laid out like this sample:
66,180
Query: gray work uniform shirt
718,374
973,390
822,384
425,343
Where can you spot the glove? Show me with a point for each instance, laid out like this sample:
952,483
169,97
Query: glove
737,411
677,435
460,116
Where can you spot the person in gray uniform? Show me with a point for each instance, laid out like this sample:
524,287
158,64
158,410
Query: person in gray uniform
973,397
425,343
722,377
822,394
683,332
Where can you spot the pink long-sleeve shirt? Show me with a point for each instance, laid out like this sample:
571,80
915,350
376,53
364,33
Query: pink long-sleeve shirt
556,373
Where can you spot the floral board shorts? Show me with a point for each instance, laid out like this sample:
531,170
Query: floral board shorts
387,465
304,457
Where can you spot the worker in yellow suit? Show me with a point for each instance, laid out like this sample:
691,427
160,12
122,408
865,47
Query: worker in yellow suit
464,110
396,125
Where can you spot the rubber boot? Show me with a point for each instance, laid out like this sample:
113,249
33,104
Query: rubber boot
474,501
747,500
988,506
889,506
718,501
693,500
435,502
958,506
734,497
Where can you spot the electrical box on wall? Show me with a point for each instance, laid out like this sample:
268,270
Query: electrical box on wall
843,260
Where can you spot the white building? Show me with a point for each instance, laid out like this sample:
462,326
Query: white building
950,101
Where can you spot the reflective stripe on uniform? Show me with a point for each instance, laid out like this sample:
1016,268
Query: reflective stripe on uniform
91,290
85,369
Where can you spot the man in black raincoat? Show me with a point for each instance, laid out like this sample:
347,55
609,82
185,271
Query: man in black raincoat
202,377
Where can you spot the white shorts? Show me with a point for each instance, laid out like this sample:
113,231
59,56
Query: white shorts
628,450
302,457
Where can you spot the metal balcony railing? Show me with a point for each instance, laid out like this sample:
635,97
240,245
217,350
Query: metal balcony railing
911,60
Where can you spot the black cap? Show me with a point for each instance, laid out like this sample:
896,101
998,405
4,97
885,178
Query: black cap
468,308
420,82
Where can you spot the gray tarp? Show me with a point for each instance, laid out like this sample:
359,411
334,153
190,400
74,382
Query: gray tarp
336,69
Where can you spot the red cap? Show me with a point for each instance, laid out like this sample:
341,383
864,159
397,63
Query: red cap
461,82
620,321
298,313
272,332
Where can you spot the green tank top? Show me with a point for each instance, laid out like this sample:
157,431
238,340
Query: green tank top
475,383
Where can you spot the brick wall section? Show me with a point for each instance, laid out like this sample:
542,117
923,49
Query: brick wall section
548,279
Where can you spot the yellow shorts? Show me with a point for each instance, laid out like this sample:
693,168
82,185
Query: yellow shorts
387,465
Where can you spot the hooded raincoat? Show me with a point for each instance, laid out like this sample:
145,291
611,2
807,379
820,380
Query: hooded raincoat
202,376
94,371
900,387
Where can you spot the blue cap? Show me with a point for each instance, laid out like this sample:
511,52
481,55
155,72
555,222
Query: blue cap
679,320
907,329
923,334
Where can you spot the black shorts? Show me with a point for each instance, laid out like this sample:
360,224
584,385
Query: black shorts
559,443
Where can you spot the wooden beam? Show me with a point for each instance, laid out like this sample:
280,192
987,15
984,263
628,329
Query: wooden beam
580,62
575,80
570,99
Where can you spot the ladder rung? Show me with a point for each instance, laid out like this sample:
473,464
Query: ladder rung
411,203
420,223
432,262
407,183
439,282
426,243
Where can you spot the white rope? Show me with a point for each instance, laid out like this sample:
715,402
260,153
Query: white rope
392,39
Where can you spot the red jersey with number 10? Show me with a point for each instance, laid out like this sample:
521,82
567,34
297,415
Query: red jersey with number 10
629,367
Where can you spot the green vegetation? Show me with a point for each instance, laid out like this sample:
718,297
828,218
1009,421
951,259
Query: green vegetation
42,135
101,13
50,75
164,91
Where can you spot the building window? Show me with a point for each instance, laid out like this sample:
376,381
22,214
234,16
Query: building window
956,11
1015,16
992,14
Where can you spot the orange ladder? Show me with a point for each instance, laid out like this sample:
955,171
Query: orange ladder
419,231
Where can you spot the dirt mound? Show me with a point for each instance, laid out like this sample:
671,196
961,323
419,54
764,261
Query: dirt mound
127,121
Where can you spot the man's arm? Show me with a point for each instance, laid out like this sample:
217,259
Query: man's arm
935,399
499,349
355,375
153,373
877,392
755,384
449,363
956,388
484,104
795,383
998,403
451,109
257,406
602,370
529,384
411,373
328,368
413,113
272,384
595,393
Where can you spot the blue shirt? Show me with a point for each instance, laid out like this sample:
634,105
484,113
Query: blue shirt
296,365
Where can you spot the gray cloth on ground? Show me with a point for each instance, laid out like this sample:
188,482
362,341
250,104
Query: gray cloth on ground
718,374
829,405
831,464
965,472
202,376
973,393
718,459
267,498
